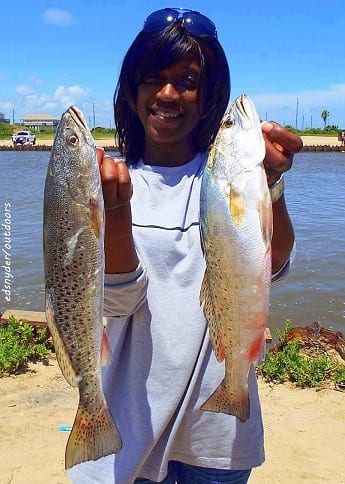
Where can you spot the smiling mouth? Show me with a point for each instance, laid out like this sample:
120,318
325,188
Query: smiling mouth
165,115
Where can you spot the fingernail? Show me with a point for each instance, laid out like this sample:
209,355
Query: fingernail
266,126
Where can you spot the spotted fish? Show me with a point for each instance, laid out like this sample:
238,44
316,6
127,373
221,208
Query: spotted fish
73,231
236,231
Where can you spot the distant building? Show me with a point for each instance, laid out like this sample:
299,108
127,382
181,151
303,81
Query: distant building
36,121
3,119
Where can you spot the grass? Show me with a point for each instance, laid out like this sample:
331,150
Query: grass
20,343
289,365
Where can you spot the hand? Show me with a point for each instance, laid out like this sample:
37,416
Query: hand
281,145
116,181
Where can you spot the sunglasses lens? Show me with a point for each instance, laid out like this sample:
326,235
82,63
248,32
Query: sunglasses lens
193,21
198,24
160,19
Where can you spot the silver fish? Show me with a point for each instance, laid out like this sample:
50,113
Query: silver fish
73,232
236,231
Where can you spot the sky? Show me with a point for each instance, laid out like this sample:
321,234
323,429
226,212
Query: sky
289,57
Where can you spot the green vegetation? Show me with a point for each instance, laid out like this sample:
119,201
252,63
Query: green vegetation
6,130
47,132
19,344
103,133
327,131
289,365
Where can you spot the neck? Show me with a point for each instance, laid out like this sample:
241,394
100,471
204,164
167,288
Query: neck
167,154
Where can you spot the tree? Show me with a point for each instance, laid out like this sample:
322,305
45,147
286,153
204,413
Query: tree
324,116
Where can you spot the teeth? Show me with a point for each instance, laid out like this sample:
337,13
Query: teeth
167,115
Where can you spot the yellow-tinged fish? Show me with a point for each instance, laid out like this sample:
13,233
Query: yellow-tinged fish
236,231
73,231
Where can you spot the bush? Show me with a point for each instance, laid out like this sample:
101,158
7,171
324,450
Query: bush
289,365
19,344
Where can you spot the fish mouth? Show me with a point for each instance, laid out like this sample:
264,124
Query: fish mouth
243,107
77,116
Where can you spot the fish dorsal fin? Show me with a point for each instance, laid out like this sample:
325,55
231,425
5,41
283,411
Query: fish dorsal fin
60,350
208,308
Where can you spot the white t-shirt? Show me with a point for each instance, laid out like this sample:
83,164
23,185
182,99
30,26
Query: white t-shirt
163,367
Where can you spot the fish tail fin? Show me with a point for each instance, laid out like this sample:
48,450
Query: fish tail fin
92,437
222,401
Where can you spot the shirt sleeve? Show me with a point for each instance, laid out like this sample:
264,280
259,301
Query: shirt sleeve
285,269
124,293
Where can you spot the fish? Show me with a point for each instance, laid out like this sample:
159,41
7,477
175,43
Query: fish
73,249
236,232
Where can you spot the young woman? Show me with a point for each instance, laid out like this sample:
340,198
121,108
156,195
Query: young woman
172,92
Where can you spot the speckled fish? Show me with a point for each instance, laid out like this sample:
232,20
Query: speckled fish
73,231
236,231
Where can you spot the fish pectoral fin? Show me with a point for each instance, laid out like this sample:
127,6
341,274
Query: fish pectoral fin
266,222
93,435
96,217
237,205
208,308
62,357
105,349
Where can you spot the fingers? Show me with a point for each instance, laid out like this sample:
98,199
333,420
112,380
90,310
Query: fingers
281,145
116,181
288,141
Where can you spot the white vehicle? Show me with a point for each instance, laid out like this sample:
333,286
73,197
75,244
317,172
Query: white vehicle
23,138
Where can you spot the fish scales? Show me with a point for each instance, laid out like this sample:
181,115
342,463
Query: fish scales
73,233
236,232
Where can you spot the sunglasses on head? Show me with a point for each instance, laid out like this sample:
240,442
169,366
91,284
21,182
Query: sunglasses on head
193,21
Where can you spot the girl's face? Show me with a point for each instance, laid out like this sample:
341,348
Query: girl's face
169,110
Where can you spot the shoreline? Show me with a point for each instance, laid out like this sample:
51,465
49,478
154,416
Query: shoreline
310,144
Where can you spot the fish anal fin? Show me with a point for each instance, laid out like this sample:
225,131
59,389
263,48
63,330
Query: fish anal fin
208,308
223,401
256,347
62,357
96,217
93,436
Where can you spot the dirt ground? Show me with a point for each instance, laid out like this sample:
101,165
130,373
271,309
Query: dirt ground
305,430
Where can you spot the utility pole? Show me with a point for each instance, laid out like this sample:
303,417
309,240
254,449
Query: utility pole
93,111
12,116
296,114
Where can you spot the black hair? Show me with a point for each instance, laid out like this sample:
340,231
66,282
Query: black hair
151,53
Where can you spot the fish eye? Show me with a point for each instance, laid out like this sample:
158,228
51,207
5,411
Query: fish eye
228,122
72,139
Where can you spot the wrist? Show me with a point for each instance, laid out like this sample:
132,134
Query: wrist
277,189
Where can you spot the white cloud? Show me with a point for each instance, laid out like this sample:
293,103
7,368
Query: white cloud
57,16
24,90
28,100
66,96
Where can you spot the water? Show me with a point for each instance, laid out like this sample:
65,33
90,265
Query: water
315,196
315,289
